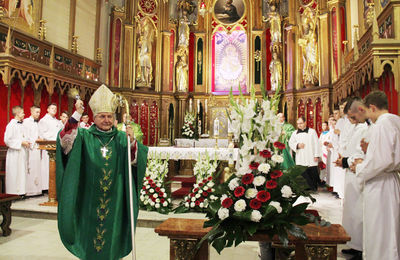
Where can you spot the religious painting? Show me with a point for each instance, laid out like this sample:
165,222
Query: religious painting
191,8
229,61
229,11
386,28
23,14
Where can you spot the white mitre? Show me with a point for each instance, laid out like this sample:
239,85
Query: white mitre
103,101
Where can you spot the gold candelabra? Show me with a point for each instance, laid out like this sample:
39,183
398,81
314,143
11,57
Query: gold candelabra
74,45
42,30
99,55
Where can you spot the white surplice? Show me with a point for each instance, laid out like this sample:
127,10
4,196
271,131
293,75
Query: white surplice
324,137
48,129
352,201
15,159
379,173
33,176
311,148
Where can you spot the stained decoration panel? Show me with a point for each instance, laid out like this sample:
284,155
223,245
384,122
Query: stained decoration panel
144,122
318,116
148,6
134,111
229,61
310,113
154,124
301,109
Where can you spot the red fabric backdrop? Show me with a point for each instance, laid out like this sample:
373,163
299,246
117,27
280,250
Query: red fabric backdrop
191,62
44,102
3,110
28,99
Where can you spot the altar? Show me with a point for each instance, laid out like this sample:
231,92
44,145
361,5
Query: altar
192,153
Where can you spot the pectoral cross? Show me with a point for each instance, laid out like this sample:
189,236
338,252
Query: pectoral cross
104,151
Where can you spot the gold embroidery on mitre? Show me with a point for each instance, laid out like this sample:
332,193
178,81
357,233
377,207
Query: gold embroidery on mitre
103,100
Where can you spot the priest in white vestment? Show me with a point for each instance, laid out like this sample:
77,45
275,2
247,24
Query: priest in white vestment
304,142
49,126
379,173
16,153
31,132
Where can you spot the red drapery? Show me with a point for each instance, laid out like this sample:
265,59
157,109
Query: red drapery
153,124
268,58
28,99
144,121
334,41
310,114
191,62
301,109
343,26
44,102
318,116
16,94
134,111
64,103
3,110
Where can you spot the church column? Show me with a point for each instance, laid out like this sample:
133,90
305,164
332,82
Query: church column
324,45
165,66
291,63
182,98
127,56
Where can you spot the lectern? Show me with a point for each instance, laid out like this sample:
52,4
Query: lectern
50,147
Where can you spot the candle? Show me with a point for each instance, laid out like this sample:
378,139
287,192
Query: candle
216,127
205,106
198,106
190,105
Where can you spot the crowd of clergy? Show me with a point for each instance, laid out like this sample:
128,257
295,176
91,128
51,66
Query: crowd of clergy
27,167
358,156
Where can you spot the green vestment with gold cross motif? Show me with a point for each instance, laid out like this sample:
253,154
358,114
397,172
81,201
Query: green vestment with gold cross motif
93,194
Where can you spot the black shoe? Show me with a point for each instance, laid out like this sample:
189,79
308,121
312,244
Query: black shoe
357,256
350,251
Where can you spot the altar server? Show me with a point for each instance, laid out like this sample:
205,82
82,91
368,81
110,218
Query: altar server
31,132
85,121
49,126
16,153
304,142
323,139
379,173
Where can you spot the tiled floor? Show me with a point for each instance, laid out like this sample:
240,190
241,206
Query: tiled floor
34,239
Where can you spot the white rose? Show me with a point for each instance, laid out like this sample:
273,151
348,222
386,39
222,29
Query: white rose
223,213
195,185
205,188
255,216
162,189
212,197
146,202
193,199
152,203
286,191
251,193
276,205
169,200
240,205
201,205
165,195
186,204
151,190
197,196
158,184
192,204
277,158
259,180
166,203
155,195
147,187
264,167
223,197
142,198
157,200
210,184
233,184
157,205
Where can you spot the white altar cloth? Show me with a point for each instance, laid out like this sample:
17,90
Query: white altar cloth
180,153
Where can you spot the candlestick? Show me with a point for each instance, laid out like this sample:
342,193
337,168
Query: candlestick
190,105
198,106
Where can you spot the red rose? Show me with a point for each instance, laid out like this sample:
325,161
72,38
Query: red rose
196,190
254,165
153,185
255,204
263,196
161,194
205,180
271,184
266,154
201,199
201,184
158,189
148,177
205,194
226,203
192,195
276,174
153,199
188,200
150,181
239,191
279,145
144,188
162,200
197,203
210,178
247,178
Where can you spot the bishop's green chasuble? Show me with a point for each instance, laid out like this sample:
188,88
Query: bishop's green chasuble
93,194
287,131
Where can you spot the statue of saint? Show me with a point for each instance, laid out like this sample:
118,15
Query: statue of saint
275,67
183,32
274,20
182,70
309,46
144,69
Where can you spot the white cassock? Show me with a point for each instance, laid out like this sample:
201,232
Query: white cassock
48,129
346,128
15,159
352,201
311,149
379,173
331,136
33,174
324,137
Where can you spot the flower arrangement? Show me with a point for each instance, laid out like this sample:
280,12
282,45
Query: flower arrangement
200,196
153,196
260,195
189,129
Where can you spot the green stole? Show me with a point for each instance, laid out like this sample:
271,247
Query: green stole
288,130
93,194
